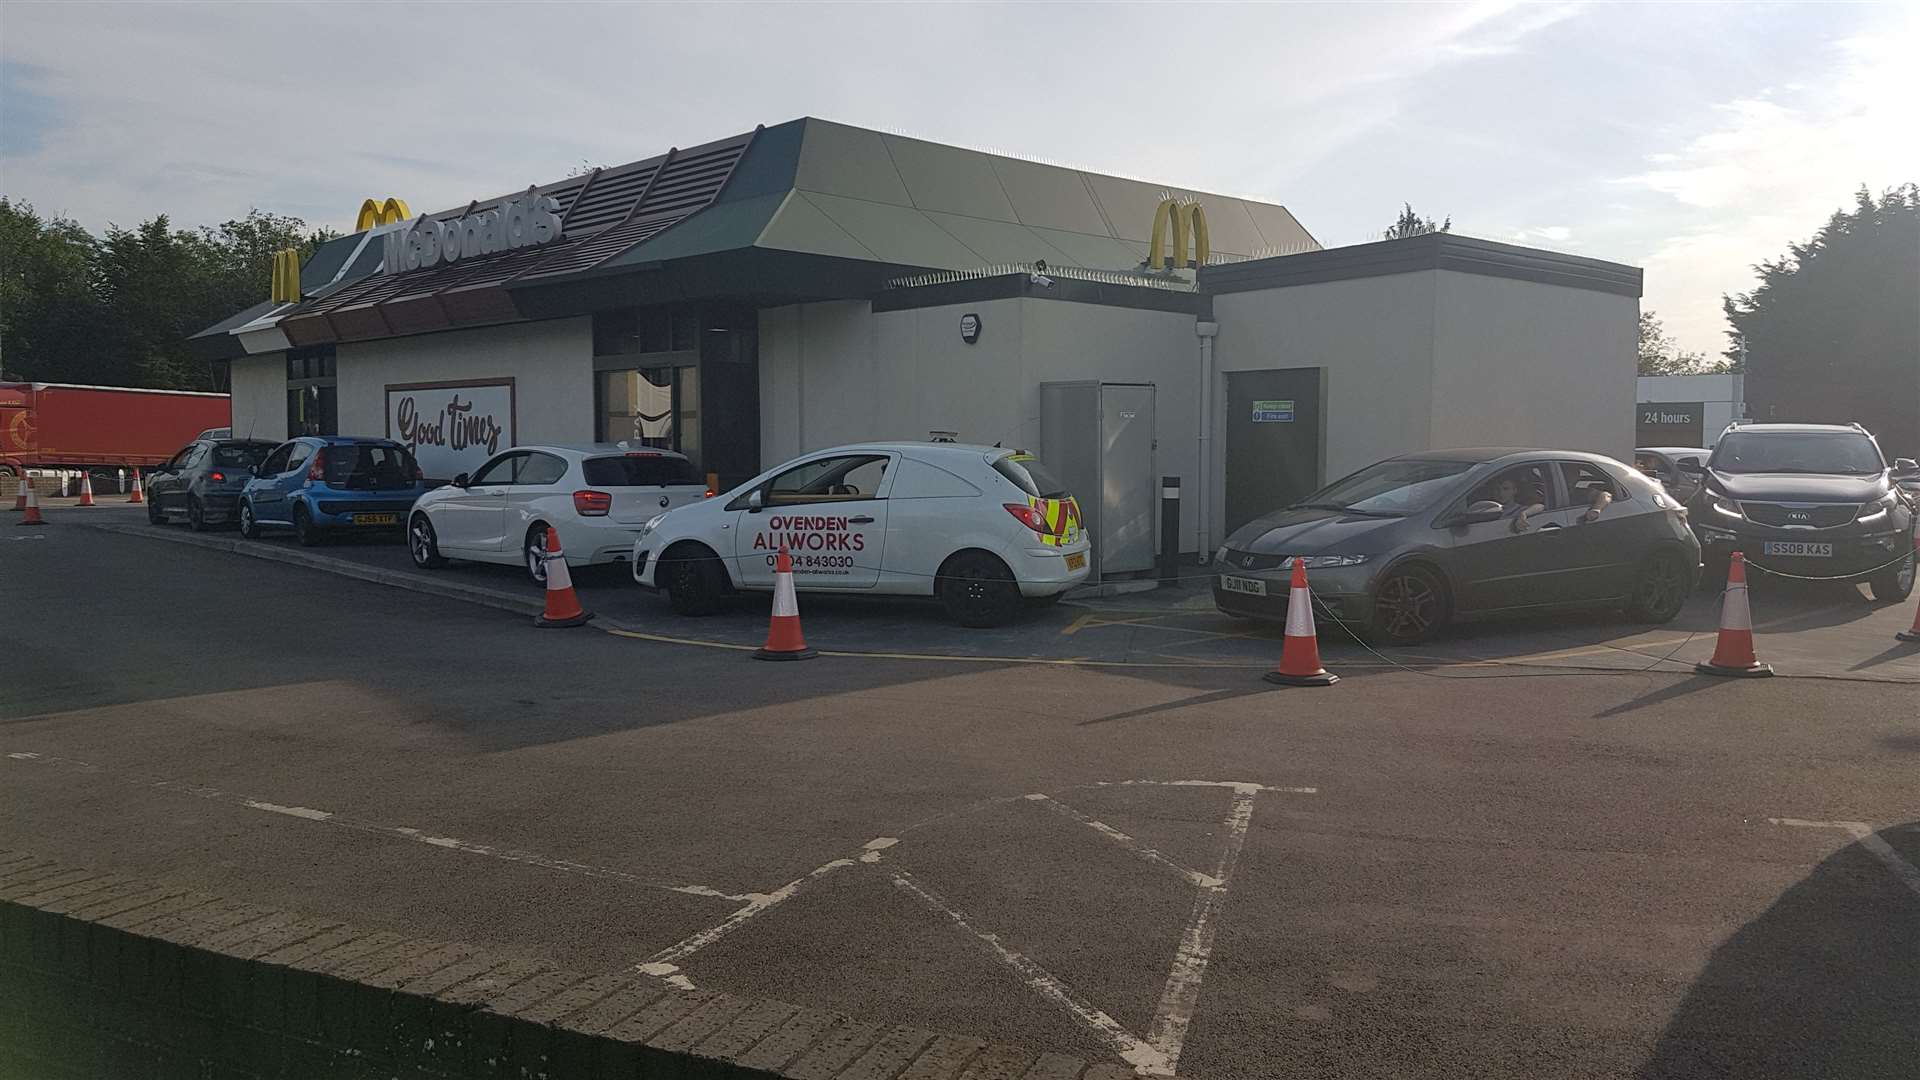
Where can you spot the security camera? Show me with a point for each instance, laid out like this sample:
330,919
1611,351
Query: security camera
1043,281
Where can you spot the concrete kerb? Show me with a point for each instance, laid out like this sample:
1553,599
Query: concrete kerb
183,991
452,590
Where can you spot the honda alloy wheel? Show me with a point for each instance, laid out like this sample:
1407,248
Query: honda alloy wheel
1409,606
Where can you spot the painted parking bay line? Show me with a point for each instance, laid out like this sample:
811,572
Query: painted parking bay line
1864,835
399,832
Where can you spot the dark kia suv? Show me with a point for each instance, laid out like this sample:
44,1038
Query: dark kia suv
1814,500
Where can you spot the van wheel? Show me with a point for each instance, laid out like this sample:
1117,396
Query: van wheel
423,545
1894,584
1660,589
977,590
304,529
694,579
1409,606
249,526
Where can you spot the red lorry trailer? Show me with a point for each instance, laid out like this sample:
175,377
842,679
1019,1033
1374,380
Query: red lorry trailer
59,426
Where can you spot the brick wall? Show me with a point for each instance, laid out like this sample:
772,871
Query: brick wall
107,976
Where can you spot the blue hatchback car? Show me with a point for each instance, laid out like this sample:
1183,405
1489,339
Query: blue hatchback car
320,483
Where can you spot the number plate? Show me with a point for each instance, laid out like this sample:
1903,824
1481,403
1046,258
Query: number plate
1797,547
376,519
1076,560
1249,586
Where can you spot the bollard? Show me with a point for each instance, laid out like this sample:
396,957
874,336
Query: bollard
1169,530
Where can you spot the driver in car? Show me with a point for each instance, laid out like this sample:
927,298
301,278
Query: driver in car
1506,492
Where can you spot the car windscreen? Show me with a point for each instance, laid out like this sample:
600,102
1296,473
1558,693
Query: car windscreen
1030,476
637,470
369,467
1401,486
1796,452
241,455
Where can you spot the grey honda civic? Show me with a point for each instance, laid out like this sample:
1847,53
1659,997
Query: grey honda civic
1401,548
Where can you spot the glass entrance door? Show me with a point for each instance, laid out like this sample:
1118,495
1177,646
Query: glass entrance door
655,406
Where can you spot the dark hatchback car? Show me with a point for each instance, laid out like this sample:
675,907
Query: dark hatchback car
202,482
1402,547
1815,500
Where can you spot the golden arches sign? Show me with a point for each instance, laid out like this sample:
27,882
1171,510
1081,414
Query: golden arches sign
286,276
1185,219
386,213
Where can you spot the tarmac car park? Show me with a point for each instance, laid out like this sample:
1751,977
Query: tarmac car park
979,528
1402,547
598,496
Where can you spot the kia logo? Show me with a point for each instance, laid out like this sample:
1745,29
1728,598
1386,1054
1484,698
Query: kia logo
1799,515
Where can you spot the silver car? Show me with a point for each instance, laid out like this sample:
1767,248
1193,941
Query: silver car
1402,547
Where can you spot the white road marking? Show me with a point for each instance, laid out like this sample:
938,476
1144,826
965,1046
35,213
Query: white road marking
1241,786
1865,836
664,964
291,811
1167,1033
308,813
1146,1060
1194,877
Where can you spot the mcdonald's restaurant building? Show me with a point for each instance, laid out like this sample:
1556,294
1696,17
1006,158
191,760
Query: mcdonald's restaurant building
810,284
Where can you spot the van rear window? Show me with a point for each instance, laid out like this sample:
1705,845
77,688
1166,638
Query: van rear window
1030,476
638,470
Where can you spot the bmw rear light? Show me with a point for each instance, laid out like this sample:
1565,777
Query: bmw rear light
592,503
1030,517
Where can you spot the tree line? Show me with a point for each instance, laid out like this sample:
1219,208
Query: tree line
117,309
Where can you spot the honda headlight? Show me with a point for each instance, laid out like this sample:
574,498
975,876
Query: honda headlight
1327,562
1724,506
1875,512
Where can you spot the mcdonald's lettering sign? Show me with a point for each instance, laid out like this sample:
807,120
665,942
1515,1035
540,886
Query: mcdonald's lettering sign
286,276
1183,220
526,220
374,214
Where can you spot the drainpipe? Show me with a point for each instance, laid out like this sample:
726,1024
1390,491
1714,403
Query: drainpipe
1205,330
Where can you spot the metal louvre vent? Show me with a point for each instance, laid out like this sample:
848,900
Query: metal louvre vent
1798,515
608,200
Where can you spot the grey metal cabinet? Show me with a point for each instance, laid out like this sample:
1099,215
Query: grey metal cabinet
1097,437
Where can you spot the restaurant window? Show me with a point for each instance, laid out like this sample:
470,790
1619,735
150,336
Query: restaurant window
312,396
655,406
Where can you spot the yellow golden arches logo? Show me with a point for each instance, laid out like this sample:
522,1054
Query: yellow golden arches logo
386,213
286,276
1185,219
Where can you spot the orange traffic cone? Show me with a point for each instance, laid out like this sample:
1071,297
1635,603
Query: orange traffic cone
20,493
33,509
86,489
563,607
137,495
784,640
1733,652
1300,652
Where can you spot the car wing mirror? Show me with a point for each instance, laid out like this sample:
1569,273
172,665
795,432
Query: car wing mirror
755,500
1905,466
1690,465
461,480
1477,512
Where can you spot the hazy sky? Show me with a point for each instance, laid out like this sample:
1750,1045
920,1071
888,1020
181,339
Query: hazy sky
1692,140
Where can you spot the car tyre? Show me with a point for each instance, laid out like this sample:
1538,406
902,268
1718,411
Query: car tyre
155,516
249,526
423,545
1893,584
694,579
533,553
1409,606
196,515
304,530
1660,588
977,590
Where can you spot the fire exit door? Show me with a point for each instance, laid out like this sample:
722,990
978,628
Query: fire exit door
1273,439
